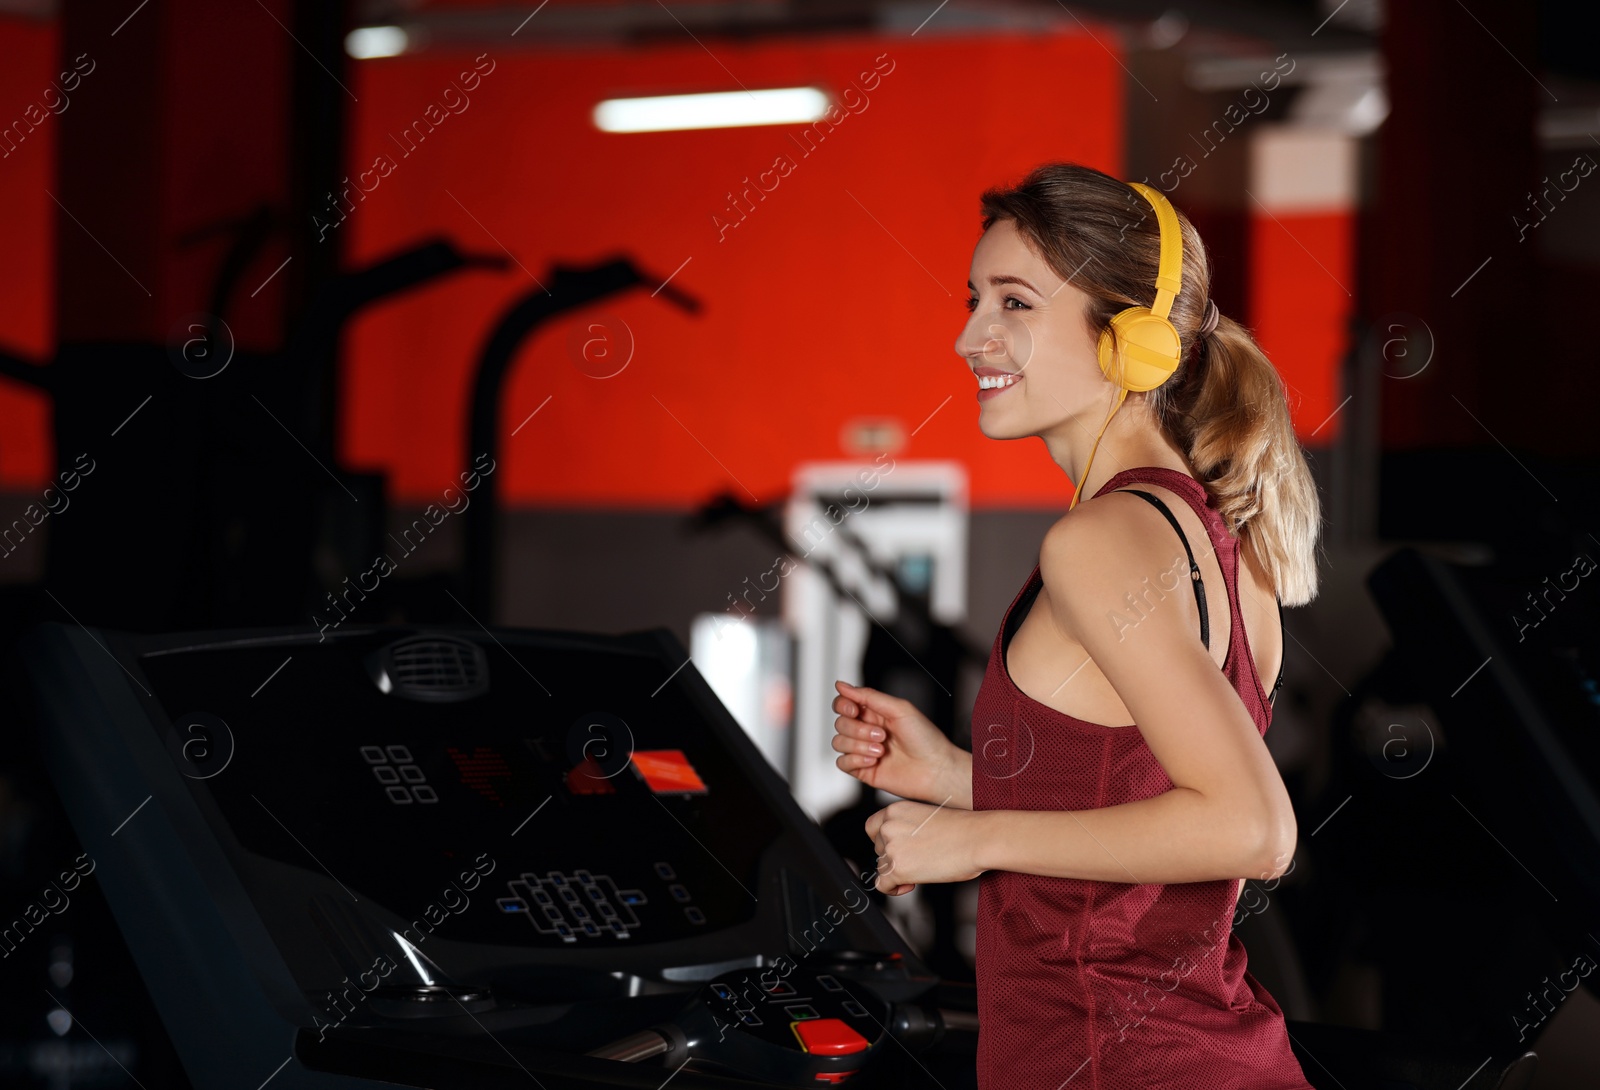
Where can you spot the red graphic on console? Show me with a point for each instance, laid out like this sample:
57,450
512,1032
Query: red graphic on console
588,778
668,772
480,769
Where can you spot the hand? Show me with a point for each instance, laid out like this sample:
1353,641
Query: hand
921,843
886,743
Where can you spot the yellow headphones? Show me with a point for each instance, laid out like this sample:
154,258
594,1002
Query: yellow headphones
1141,349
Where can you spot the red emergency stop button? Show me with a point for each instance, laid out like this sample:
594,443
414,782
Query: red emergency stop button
828,1037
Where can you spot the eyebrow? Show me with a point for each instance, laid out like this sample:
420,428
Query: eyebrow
1000,278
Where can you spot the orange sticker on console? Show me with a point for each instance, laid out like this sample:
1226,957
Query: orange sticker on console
668,772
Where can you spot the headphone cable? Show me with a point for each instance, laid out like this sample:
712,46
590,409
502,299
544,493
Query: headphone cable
1077,491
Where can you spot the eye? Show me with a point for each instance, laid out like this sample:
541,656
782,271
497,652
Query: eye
972,303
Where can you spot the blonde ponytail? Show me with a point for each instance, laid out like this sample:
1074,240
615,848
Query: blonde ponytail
1236,429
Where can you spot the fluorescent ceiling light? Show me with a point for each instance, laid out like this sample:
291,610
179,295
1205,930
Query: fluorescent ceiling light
367,42
719,110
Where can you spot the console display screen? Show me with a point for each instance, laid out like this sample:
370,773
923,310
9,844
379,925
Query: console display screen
579,799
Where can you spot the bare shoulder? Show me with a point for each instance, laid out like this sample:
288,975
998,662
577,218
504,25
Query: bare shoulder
1101,550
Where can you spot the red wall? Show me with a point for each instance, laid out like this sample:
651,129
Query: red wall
1302,274
839,296
27,265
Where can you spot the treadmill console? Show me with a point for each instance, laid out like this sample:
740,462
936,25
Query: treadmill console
363,853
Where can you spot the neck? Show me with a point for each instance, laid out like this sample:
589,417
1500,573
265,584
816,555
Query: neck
1133,438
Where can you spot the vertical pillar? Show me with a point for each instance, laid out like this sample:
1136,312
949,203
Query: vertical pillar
181,123
1456,161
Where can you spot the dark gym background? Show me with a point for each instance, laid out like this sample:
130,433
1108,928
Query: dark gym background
236,355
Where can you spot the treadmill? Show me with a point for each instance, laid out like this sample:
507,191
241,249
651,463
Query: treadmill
434,856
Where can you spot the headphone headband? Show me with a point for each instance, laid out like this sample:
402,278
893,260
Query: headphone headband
1139,349
1169,273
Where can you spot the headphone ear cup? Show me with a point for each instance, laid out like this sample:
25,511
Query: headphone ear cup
1139,351
1107,349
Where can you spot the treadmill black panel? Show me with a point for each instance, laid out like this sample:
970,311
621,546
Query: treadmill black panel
554,838
601,776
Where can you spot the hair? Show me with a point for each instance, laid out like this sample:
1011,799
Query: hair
1225,406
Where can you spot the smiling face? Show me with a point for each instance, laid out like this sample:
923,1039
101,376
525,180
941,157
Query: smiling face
1027,341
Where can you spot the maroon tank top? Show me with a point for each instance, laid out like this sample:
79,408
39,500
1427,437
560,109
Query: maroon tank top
1111,985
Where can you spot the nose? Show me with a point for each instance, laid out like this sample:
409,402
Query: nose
982,340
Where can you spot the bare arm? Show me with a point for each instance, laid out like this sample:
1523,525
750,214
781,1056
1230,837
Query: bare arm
958,783
1172,837
885,742
1227,814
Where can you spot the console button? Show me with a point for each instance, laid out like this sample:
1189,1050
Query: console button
828,1037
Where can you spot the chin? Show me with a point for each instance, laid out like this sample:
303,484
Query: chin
993,427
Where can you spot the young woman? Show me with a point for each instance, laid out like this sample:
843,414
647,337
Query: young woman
1119,791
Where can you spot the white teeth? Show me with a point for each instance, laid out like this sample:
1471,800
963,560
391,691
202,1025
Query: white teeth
990,382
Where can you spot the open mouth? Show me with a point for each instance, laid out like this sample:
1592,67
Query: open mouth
992,381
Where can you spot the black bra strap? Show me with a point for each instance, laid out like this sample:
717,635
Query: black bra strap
1194,569
1283,644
